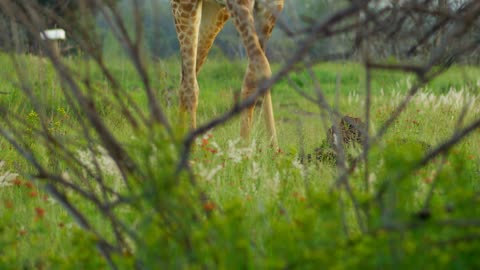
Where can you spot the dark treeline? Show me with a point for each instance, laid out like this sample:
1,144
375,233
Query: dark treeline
161,41
15,37
159,34
160,38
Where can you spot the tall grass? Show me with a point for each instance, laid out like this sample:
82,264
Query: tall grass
265,208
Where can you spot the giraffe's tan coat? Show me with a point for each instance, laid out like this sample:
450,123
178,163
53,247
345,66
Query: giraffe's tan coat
198,22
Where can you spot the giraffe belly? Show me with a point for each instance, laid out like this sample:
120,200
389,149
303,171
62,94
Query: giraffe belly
262,2
220,2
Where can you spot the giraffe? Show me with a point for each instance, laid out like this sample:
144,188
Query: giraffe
197,24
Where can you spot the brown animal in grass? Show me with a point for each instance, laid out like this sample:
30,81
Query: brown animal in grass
350,130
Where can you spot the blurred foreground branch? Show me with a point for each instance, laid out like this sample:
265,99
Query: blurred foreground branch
148,174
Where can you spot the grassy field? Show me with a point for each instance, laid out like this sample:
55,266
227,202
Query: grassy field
268,210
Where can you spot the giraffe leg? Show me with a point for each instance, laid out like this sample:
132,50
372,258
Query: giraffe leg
258,65
187,15
214,17
265,15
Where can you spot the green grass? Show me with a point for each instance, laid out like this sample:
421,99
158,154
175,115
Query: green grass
266,211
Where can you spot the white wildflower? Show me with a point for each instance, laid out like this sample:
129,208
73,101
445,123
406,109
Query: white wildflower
409,82
233,152
250,151
353,98
51,200
206,173
452,99
254,171
105,163
215,146
66,176
7,177
274,183
297,164
237,154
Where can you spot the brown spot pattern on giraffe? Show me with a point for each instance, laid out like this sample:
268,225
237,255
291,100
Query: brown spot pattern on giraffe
197,24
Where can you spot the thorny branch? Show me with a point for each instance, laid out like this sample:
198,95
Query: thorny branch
424,38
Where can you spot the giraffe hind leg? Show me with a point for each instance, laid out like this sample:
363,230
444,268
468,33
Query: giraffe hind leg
258,66
214,17
265,15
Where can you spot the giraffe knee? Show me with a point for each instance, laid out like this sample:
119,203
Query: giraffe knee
188,94
259,69
188,103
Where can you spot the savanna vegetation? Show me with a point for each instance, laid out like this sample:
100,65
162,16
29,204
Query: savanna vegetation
93,177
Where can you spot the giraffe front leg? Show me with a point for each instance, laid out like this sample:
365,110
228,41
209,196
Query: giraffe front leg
187,15
188,103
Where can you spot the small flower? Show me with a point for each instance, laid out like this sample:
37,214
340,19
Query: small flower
33,194
29,185
215,147
428,180
204,142
8,204
209,206
298,196
17,182
22,231
39,213
211,150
